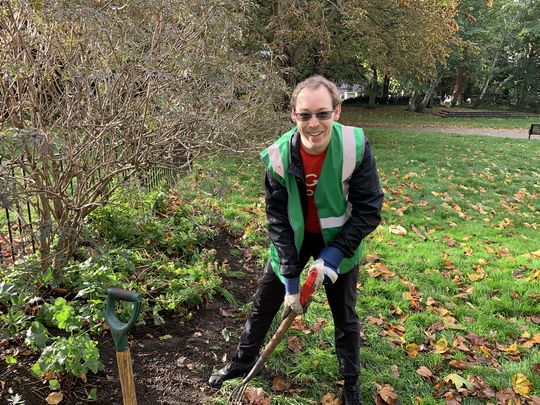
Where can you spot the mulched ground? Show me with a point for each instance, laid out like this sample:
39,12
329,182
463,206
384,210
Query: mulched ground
170,371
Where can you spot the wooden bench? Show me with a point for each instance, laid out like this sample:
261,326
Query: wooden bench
534,130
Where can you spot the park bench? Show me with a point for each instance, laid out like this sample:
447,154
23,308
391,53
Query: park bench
534,130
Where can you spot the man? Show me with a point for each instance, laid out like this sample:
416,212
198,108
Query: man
322,199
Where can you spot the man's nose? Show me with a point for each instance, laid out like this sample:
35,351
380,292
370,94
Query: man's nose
313,121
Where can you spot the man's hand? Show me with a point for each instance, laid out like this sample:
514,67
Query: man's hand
292,297
292,301
331,258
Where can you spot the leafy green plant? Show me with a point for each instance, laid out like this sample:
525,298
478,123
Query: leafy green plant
74,355
62,315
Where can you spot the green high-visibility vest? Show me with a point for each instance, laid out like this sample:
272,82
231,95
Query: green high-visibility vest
343,154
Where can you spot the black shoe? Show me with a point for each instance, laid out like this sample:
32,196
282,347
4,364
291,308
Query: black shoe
351,395
234,369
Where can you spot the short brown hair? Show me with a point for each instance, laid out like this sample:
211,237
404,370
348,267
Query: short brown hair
314,82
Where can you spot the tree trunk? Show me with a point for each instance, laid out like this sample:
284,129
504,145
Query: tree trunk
460,85
492,69
373,89
412,102
385,87
427,97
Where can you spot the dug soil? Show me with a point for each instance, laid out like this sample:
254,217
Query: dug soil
171,362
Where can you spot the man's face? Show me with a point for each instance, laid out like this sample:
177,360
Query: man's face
315,133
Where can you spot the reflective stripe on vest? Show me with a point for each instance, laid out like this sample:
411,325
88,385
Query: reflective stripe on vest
348,165
275,159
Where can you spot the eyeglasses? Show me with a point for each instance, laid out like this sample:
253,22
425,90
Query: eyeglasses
321,115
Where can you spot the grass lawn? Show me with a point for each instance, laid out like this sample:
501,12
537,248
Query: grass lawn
399,116
452,317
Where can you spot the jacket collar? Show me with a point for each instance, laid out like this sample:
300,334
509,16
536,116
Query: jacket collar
295,165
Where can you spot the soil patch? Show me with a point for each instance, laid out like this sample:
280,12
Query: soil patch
171,362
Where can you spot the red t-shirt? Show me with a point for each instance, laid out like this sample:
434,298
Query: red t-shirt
312,169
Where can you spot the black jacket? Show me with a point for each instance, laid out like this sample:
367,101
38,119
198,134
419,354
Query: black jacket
365,196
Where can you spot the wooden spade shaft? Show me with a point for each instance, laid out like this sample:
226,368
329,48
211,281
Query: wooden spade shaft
270,346
126,377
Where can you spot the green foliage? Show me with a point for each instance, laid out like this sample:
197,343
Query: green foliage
75,355
37,336
61,314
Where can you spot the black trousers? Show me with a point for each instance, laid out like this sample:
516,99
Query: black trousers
341,297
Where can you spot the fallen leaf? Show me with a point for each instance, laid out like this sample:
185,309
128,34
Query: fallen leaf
294,344
424,372
373,258
225,313
386,394
536,253
280,384
255,396
54,398
331,399
536,368
397,230
458,381
441,346
520,384
458,365
476,276
412,349
394,370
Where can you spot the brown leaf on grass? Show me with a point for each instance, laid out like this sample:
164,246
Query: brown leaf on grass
385,395
412,350
480,388
294,344
255,396
424,372
512,349
449,241
458,365
507,396
316,327
373,258
397,230
535,275
534,319
280,384
298,324
464,292
375,320
476,276
536,368
441,346
54,398
331,399
459,343
413,296
380,270
520,384
452,398
394,369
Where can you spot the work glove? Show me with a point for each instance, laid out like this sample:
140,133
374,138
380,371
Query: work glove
292,297
331,258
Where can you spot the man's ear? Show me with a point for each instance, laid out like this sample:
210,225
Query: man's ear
293,115
337,112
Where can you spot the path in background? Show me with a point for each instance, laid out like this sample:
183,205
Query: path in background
496,132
